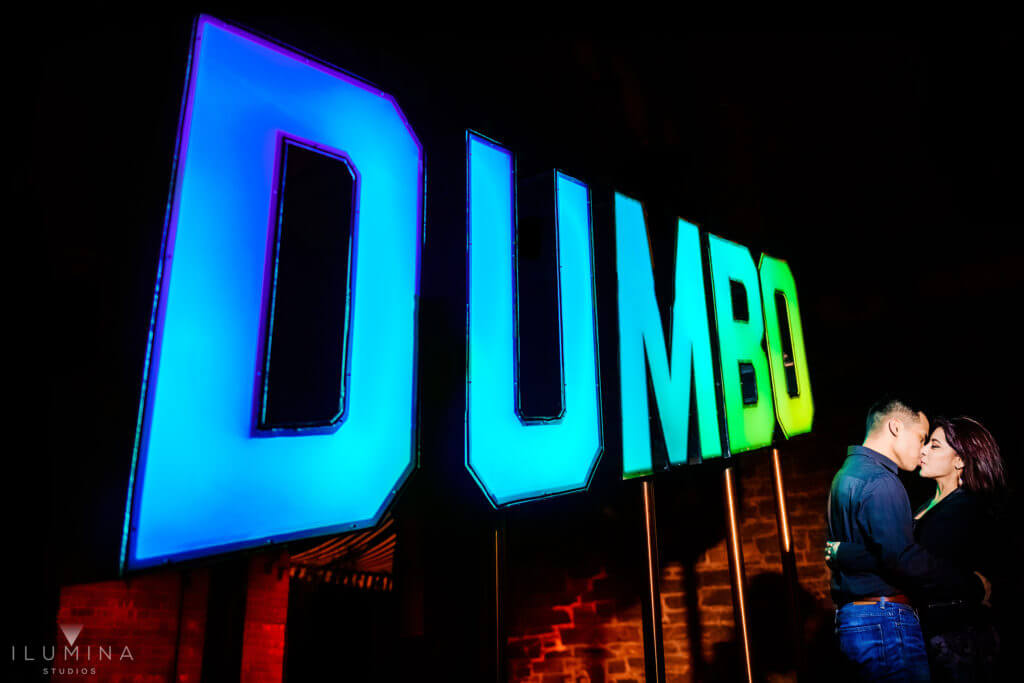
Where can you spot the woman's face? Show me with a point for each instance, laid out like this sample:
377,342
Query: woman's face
938,459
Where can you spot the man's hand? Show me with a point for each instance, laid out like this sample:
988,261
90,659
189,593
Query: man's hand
988,589
832,550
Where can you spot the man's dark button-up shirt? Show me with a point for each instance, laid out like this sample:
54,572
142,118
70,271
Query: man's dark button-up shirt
868,505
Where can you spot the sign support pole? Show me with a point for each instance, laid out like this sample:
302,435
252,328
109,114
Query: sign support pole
498,542
737,573
654,650
736,569
788,560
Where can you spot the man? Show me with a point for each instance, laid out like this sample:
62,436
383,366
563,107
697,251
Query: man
879,632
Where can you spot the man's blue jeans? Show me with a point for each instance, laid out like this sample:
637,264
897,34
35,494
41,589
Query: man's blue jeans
882,642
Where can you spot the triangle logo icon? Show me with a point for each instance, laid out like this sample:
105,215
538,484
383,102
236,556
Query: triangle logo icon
71,632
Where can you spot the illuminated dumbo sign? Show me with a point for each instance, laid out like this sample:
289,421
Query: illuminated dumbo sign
211,473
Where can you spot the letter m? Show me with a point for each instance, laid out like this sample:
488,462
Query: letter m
641,337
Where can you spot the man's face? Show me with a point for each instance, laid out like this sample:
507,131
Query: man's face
911,436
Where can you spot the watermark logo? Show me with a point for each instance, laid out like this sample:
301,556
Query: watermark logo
71,632
70,659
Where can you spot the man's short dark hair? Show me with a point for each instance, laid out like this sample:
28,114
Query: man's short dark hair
887,407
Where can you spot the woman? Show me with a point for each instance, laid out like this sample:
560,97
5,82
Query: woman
958,526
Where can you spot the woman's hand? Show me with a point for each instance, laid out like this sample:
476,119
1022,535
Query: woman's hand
831,551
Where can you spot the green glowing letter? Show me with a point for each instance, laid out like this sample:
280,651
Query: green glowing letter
640,331
748,414
790,378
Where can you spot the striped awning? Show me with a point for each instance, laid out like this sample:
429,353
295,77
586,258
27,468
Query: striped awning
363,559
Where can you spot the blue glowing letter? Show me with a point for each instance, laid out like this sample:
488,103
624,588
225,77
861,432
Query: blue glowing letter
640,332
513,461
204,480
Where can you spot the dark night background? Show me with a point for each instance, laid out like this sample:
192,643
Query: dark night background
885,168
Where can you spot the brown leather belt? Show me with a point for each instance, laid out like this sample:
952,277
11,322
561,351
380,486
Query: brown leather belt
900,598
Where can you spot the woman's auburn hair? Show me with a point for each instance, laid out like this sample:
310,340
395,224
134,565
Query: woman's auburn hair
983,471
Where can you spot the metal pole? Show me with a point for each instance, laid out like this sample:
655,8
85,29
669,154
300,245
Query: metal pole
788,560
500,669
654,650
736,571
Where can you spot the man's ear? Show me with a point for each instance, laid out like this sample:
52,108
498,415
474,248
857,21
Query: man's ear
894,427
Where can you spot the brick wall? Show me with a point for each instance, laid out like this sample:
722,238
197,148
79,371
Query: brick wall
590,628
142,615
571,624
266,612
160,617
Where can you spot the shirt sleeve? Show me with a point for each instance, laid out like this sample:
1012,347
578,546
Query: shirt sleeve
887,522
854,557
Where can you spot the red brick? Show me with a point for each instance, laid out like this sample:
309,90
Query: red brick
675,601
584,635
716,596
549,665
556,678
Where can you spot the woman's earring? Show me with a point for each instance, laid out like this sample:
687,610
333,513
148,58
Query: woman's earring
960,476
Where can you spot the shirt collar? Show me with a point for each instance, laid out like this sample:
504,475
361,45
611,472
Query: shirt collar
874,456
